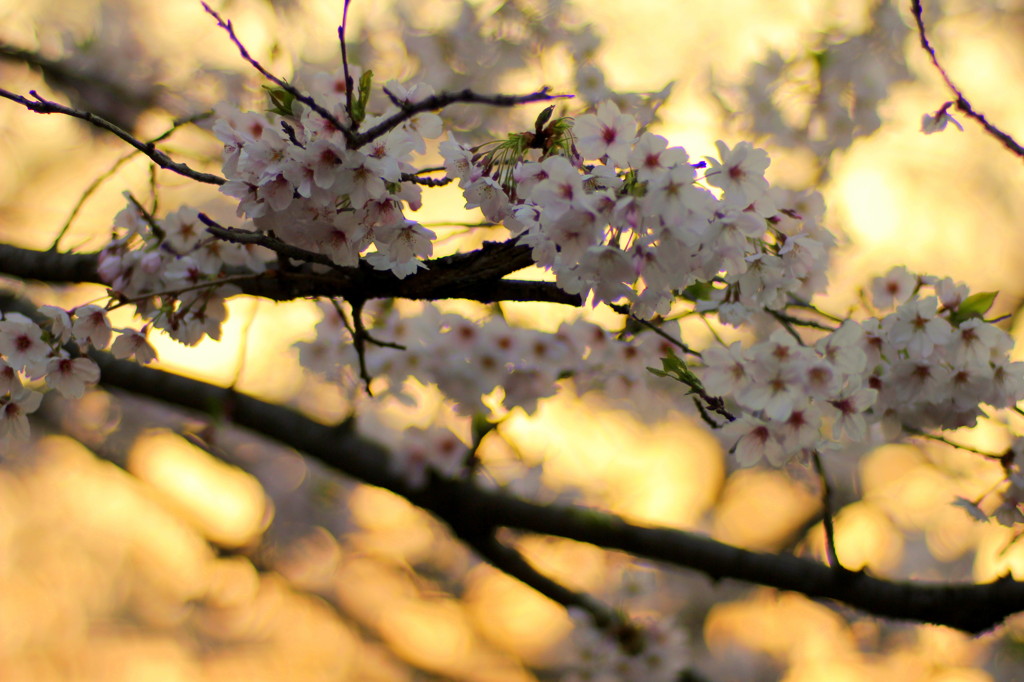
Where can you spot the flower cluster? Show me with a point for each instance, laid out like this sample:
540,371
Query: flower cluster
643,225
293,173
839,102
33,357
617,215
469,361
169,270
931,363
654,650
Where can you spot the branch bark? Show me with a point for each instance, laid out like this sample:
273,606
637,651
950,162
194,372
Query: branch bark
476,276
967,607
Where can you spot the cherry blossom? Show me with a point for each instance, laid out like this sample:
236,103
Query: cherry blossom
608,133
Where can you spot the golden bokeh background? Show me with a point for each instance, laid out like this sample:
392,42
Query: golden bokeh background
171,555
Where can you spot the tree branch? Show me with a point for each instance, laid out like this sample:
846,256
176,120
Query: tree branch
44,106
961,102
286,86
442,100
972,608
60,74
473,276
512,563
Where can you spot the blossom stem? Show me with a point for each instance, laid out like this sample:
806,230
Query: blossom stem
826,519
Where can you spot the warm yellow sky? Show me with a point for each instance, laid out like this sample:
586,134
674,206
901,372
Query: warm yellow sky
947,204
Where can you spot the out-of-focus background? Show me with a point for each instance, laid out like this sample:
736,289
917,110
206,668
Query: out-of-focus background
128,552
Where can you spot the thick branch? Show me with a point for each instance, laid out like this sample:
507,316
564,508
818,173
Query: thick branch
474,276
972,608
48,266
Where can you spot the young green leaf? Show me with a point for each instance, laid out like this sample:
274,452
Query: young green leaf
280,100
975,305
359,104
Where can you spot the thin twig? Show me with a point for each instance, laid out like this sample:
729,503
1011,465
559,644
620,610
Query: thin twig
959,446
349,83
44,106
961,102
352,332
233,234
786,319
427,182
287,87
509,561
797,303
659,331
826,499
177,291
146,216
441,100
359,342
95,184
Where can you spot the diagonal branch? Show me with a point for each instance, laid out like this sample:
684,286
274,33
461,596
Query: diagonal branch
474,276
285,85
509,561
961,102
44,106
972,608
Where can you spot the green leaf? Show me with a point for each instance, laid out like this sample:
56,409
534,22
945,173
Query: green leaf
975,305
698,291
481,426
280,100
821,58
359,104
673,367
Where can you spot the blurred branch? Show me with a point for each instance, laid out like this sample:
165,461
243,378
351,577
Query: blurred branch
512,563
827,521
95,184
961,102
44,106
972,608
77,83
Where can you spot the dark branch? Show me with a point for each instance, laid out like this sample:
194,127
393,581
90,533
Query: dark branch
961,102
43,106
287,87
233,234
428,182
474,276
442,100
511,562
349,84
972,608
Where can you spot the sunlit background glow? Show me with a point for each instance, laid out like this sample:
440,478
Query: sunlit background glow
179,565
